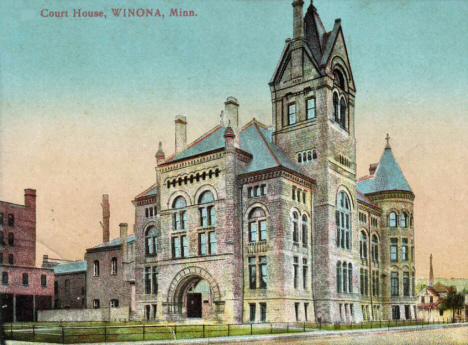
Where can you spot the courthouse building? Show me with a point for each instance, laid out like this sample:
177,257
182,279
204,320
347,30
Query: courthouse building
269,224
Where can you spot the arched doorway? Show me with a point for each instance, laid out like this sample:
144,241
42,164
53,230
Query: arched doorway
193,294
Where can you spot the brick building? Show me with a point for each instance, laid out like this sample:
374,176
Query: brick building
254,224
25,288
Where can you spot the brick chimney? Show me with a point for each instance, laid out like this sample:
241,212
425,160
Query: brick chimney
372,169
105,218
30,198
298,29
231,113
123,240
180,133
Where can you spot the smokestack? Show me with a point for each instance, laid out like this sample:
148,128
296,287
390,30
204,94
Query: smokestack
431,273
105,218
180,133
231,113
123,240
30,198
298,19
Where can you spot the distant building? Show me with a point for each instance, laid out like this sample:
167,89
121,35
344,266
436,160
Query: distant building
70,282
25,288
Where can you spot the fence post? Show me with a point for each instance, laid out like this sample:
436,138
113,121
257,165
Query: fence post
144,332
250,329
63,335
287,327
11,331
229,333
105,333
271,328
304,326
320,323
204,330
34,332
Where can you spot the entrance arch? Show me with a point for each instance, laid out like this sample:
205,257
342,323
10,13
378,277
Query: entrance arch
191,291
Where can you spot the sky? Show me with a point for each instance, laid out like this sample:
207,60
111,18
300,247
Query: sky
85,101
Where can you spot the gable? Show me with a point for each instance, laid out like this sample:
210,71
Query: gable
337,55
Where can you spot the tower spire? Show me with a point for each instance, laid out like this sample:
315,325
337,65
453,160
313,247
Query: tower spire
388,142
431,273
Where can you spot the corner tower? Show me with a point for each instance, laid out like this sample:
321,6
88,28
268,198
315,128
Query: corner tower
313,94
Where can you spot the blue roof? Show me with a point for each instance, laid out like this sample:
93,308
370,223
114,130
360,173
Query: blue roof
72,267
255,138
115,242
153,190
387,177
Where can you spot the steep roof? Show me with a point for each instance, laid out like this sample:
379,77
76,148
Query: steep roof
153,190
362,198
115,242
387,177
71,267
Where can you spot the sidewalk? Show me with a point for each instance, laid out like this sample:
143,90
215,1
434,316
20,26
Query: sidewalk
249,339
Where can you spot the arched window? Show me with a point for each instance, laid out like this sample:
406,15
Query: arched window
96,268
392,220
179,217
114,266
350,278
404,220
305,231
338,79
295,227
363,245
151,238
375,248
336,115
207,209
343,221
345,277
257,225
338,277
343,121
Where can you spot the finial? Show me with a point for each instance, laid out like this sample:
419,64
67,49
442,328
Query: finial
388,142
160,153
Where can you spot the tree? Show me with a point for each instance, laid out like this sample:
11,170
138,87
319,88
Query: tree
454,301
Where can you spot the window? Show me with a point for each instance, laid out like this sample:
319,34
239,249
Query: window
295,231
1,218
392,220
2,238
11,259
252,308
207,210
338,277
406,284
252,273
67,285
394,250
375,283
43,280
114,303
343,222
350,277
263,311
422,300
212,245
96,304
394,284
292,113
262,268
305,231
151,280
202,250
114,266
310,108
336,115
1,258
343,121
179,247
364,279
404,220
11,239
151,241
363,246
305,270
96,268
296,310
5,278
396,312
294,193
25,279
257,225
431,299
404,249
207,247
56,287
296,272
11,220
179,216
306,312
375,248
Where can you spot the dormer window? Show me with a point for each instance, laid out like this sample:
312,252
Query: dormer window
292,119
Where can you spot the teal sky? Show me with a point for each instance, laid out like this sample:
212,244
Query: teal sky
83,102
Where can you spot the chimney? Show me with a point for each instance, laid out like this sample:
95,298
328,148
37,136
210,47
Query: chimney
45,260
180,133
298,19
30,198
160,156
105,218
231,113
372,169
123,240
431,273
